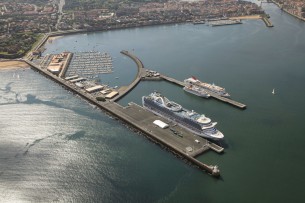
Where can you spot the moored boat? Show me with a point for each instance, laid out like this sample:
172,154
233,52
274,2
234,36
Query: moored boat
194,82
196,91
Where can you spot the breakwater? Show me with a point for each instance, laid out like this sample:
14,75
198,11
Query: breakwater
137,79
267,21
186,147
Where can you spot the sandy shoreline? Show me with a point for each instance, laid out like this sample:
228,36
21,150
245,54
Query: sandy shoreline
253,17
5,65
52,38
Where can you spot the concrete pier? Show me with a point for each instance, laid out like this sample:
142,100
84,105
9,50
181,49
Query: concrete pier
172,80
137,79
65,67
214,95
267,21
187,145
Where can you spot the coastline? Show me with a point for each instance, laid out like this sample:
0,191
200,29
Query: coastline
294,15
13,64
49,37
52,38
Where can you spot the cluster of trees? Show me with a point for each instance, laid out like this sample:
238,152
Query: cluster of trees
37,2
82,5
17,44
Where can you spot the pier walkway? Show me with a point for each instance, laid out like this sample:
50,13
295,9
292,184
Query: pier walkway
172,80
137,79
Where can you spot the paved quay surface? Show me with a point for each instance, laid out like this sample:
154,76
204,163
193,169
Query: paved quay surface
144,119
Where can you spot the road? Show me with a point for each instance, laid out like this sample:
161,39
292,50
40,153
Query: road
60,13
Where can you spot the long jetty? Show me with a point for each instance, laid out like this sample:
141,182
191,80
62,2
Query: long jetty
267,21
263,17
216,96
137,79
182,143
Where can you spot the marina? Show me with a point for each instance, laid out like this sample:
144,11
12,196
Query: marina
124,161
90,64
176,138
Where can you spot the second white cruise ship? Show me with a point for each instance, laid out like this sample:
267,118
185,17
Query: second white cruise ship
192,83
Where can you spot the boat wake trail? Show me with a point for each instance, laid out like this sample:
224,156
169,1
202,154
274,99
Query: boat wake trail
75,136
35,142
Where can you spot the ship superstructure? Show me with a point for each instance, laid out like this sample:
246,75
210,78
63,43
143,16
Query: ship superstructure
196,90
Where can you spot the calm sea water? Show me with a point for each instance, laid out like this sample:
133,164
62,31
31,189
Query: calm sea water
57,147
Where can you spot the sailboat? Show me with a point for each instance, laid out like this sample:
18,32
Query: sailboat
273,91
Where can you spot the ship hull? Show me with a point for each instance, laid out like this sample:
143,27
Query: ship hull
219,93
205,95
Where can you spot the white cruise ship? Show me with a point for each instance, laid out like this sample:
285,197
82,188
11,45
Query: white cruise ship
196,91
190,120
